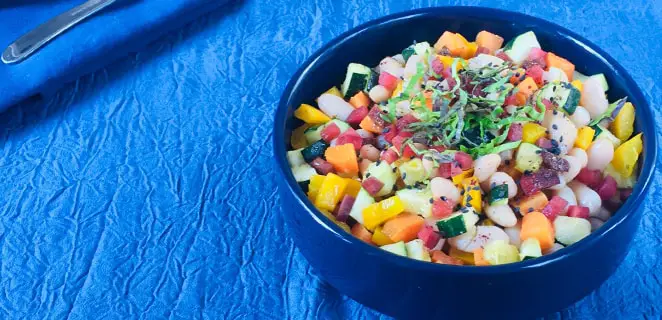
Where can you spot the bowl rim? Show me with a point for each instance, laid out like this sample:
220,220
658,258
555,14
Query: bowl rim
624,213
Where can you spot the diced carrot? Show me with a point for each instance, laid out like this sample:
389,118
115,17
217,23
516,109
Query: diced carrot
479,258
553,60
360,100
368,124
525,89
536,225
456,45
404,227
438,256
359,231
343,158
379,238
465,257
534,202
489,40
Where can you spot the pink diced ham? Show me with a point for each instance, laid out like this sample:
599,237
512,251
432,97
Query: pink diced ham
389,156
578,212
515,132
591,178
344,208
350,136
356,116
464,160
554,207
330,132
372,185
321,166
388,80
607,188
429,236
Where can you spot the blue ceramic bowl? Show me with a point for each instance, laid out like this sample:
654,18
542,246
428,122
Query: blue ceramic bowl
410,289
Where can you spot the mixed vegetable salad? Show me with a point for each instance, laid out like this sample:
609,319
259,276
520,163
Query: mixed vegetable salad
467,153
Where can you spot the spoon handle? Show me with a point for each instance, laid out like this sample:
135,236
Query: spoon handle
35,39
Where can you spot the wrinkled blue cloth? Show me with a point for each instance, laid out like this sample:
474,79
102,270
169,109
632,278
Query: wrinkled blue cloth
146,189
123,27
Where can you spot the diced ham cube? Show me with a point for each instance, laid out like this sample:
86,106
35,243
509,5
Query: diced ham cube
501,55
555,162
543,179
591,178
538,56
330,132
372,185
389,133
442,208
437,66
625,193
515,132
510,100
321,166
544,143
344,208
448,170
429,236
405,121
389,156
350,136
607,188
376,115
535,72
388,80
356,116
549,106
482,50
554,207
578,212
464,160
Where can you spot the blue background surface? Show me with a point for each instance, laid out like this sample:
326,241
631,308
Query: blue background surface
146,189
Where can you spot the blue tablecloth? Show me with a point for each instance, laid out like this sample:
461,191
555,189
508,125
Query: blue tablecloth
146,189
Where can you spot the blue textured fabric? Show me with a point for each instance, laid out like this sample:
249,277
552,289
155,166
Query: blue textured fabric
123,27
146,189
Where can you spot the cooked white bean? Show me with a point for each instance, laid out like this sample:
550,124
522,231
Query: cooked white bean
379,93
602,214
581,118
486,165
429,167
506,155
499,178
563,131
369,152
442,187
593,97
600,154
555,247
502,215
595,223
484,234
568,195
334,106
581,155
575,167
586,197
513,234
399,58
391,66
402,108
412,65
554,74
482,60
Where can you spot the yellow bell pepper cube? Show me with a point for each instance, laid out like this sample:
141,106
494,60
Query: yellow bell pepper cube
379,238
486,222
311,115
298,138
466,257
584,137
378,213
353,187
447,61
457,180
626,156
314,186
334,91
531,132
623,124
472,47
577,84
330,192
398,89
472,196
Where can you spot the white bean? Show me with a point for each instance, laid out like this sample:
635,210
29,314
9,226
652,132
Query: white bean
513,234
555,247
575,167
442,187
486,165
391,66
563,131
429,167
581,155
412,66
593,97
567,194
595,223
600,154
499,178
602,214
506,155
402,108
502,215
399,58
554,74
484,235
334,106
369,152
586,197
581,118
379,93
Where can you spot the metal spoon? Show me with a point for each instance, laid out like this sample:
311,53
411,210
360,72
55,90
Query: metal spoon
38,37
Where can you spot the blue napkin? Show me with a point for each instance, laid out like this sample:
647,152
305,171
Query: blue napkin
122,28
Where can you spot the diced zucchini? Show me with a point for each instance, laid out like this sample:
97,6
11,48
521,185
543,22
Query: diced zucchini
373,80
564,95
363,200
356,79
606,134
500,252
518,48
398,248
382,171
458,223
603,81
499,195
413,171
621,181
295,158
304,185
529,158
408,52
416,201
569,230
529,249
579,76
342,125
303,172
313,134
416,250
314,150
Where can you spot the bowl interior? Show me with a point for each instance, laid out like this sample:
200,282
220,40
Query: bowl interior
371,42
